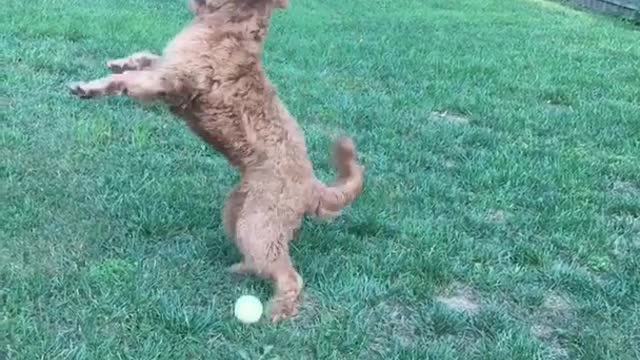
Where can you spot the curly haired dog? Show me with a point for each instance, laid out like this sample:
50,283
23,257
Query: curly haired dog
212,76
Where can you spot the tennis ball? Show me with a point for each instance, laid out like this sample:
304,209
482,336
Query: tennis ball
248,309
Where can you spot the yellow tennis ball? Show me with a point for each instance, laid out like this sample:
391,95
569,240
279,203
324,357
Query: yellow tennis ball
248,309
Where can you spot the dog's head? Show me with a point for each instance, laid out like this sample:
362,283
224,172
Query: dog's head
250,18
200,7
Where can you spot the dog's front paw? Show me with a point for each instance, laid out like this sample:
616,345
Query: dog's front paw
119,66
77,89
83,90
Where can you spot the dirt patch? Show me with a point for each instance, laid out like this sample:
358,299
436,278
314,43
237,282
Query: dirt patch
559,353
542,332
557,107
625,230
625,188
393,323
557,304
448,164
401,324
459,303
450,117
310,310
460,299
546,334
497,216
556,311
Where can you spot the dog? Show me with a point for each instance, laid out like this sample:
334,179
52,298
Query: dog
211,75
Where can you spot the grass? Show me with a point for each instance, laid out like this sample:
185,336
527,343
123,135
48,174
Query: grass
501,217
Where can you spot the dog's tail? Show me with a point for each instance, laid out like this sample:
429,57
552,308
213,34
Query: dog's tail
327,201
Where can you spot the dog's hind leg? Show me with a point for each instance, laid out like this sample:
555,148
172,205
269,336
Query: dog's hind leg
274,264
142,60
288,285
140,85
263,231
230,215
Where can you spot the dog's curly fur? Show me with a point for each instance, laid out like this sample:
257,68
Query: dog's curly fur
212,76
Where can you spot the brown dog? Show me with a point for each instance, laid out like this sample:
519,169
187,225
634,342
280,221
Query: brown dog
212,76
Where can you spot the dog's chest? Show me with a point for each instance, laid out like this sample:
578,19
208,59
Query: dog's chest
222,128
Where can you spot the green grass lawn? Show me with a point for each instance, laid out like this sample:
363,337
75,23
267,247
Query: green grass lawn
500,219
